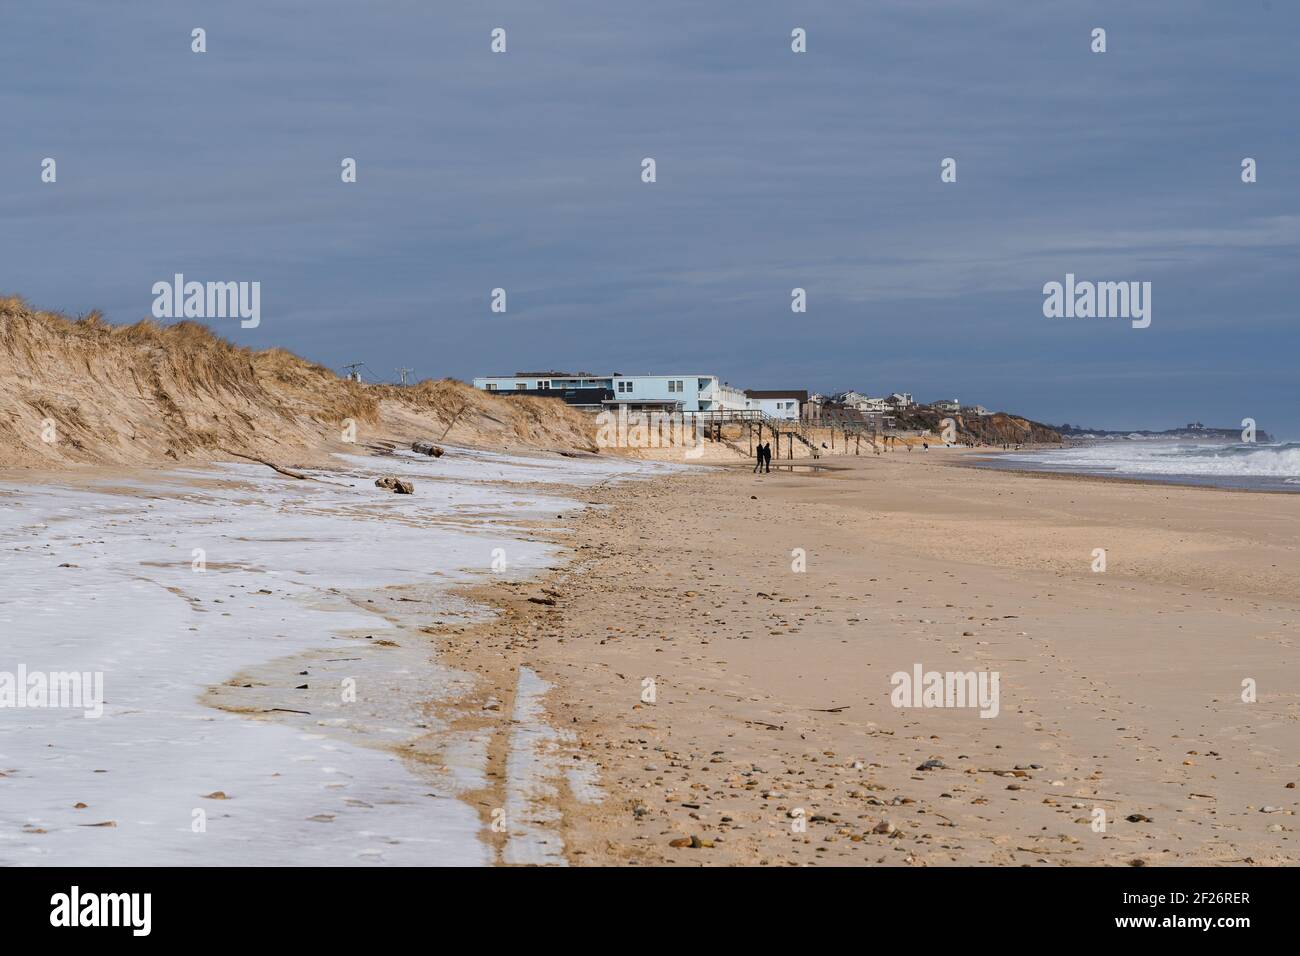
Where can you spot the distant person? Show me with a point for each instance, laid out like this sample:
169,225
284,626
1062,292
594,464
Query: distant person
767,457
758,458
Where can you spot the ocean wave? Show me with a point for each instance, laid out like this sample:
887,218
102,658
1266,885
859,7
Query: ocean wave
1200,459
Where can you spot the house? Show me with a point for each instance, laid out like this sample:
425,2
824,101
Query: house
900,400
873,405
950,405
812,409
776,403
592,392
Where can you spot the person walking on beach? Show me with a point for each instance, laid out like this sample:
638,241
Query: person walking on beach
767,457
758,458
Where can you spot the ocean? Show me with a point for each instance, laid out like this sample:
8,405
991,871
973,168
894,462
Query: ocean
1274,467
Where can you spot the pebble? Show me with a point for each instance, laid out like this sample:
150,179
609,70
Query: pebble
691,842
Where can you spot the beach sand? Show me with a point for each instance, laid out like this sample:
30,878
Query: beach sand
771,737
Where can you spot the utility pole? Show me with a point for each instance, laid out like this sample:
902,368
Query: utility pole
402,373
353,375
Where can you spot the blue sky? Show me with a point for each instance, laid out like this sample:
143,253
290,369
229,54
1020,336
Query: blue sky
775,170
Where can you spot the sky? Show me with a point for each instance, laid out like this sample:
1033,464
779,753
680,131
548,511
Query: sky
775,170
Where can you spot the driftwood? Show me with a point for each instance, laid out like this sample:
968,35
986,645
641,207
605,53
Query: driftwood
272,465
396,485
460,411
287,472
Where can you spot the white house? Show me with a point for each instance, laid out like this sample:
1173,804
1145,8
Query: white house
776,403
873,405
950,405
668,393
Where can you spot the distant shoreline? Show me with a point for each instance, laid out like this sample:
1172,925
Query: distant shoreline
1114,470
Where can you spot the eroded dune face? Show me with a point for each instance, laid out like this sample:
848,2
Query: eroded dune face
86,392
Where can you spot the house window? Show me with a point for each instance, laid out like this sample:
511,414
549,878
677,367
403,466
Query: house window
544,386
675,385
624,386
520,386
491,386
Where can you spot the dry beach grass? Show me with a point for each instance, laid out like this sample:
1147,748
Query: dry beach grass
144,393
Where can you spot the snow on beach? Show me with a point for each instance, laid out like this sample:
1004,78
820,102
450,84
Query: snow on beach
283,561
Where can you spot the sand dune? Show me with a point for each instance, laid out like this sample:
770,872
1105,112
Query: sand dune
87,392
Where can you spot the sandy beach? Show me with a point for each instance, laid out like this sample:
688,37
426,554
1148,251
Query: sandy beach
738,702
544,660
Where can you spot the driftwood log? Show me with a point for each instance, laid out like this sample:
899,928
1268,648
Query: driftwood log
272,465
396,485
426,448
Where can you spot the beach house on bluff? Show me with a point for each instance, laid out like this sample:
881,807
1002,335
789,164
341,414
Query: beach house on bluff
688,394
776,403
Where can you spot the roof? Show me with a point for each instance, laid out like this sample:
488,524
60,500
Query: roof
545,374
799,393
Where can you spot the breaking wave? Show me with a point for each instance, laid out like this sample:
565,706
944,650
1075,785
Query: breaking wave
1230,463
